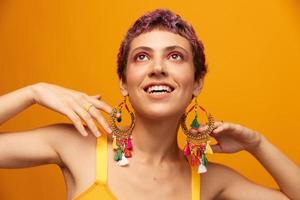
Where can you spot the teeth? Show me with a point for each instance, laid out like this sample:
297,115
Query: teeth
159,89
158,93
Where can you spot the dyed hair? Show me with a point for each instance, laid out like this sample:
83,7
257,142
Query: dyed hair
163,19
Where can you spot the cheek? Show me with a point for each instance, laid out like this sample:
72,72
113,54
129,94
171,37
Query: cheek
184,76
134,76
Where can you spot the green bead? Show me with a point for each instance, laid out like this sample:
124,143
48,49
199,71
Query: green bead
195,124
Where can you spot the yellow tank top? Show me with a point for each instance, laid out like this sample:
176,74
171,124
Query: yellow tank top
99,189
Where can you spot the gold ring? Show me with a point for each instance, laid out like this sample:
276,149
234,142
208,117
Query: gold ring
88,106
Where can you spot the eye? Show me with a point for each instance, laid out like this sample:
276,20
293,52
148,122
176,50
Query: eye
141,57
176,56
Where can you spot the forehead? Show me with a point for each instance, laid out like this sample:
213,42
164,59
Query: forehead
159,39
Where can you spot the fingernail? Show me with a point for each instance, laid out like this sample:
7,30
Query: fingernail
98,134
109,130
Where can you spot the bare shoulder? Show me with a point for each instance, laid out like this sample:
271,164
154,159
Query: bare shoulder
216,170
62,133
77,154
68,142
217,178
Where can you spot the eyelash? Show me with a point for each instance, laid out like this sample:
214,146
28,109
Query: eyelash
139,54
173,53
176,53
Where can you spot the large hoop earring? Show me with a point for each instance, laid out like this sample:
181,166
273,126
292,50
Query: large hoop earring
122,139
197,143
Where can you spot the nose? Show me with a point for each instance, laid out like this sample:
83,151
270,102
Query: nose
158,69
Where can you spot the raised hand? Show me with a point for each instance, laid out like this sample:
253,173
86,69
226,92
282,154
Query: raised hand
73,104
233,137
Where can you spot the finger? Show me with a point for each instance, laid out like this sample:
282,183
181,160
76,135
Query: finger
202,128
217,130
205,126
218,123
220,126
97,96
216,148
100,105
86,117
76,121
95,113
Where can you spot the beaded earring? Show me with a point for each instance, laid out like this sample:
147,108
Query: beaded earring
197,143
122,139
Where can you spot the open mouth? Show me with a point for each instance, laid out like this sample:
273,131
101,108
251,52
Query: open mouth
158,89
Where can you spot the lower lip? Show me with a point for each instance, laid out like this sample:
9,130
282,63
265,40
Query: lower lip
159,96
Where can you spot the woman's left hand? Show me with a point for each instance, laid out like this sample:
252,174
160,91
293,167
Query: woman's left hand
233,138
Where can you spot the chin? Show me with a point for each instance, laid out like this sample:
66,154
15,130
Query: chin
160,112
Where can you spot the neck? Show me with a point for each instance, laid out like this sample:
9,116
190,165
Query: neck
155,142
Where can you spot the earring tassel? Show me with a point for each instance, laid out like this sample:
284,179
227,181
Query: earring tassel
187,150
208,149
118,155
114,144
129,143
195,161
202,169
127,153
204,159
123,161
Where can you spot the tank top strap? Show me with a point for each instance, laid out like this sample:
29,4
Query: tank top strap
195,184
101,159
195,180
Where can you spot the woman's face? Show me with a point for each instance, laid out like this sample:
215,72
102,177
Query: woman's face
160,75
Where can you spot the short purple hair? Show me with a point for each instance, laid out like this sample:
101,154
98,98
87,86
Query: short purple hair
166,20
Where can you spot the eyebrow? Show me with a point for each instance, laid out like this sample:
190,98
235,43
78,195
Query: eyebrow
169,48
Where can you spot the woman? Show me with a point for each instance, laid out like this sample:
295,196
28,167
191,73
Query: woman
161,66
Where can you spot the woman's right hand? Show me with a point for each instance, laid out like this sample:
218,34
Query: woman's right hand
72,104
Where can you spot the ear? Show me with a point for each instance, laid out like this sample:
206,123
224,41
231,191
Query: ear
123,87
198,85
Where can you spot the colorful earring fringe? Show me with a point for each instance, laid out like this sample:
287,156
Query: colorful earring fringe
198,144
122,139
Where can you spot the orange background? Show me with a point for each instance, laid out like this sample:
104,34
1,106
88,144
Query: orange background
252,48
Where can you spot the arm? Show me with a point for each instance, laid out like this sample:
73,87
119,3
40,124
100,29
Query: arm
233,138
39,146
68,102
285,172
30,148
15,102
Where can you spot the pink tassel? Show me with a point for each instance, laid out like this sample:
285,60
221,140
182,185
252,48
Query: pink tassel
129,144
187,150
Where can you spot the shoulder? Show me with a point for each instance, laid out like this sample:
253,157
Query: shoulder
217,179
68,142
63,133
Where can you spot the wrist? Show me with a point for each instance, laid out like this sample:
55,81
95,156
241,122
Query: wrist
255,150
30,93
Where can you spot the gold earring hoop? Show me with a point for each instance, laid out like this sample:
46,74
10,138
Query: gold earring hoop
197,143
122,139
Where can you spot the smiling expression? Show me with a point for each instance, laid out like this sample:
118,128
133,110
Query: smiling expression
160,74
